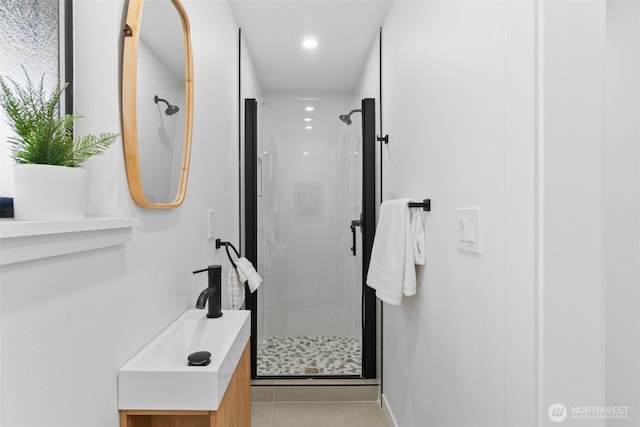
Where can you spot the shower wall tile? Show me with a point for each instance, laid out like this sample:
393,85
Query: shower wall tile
309,320
306,288
298,287
274,287
293,228
321,288
318,255
328,288
275,319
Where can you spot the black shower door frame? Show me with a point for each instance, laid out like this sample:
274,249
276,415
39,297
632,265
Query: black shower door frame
368,227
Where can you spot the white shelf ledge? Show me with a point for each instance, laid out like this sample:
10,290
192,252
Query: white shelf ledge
22,241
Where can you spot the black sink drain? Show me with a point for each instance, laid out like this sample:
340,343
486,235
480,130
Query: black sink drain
199,358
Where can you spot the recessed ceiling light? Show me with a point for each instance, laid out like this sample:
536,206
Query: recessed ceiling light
307,119
309,108
309,42
309,127
305,153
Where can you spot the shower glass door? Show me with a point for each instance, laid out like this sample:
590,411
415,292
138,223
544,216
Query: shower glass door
309,202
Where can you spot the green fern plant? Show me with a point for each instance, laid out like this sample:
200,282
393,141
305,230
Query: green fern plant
42,135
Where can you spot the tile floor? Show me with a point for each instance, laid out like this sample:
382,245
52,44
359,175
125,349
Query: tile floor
286,356
317,414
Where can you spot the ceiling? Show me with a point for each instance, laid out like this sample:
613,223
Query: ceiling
274,31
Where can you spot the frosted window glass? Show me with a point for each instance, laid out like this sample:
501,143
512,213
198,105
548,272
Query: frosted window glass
29,37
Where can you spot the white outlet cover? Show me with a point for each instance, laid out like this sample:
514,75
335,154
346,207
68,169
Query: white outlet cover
470,229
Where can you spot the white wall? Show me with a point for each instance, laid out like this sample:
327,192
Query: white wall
590,207
572,130
458,85
621,207
68,323
530,110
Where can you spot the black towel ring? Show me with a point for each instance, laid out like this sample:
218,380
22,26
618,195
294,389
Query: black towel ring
226,245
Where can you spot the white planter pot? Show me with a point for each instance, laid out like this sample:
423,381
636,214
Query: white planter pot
49,193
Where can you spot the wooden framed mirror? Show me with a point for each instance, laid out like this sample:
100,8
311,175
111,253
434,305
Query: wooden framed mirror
157,102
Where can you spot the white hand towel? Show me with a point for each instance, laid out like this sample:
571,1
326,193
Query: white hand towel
235,290
397,247
248,274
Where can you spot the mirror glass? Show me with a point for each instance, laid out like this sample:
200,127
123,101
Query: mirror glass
157,145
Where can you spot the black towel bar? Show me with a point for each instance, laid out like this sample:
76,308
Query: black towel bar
425,205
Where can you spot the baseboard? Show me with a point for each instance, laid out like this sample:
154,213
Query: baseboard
387,411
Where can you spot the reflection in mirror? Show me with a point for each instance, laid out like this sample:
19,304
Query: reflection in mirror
157,68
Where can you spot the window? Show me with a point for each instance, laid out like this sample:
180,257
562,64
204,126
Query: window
36,35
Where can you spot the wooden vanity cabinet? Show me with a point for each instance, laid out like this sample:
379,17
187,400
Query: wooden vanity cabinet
234,409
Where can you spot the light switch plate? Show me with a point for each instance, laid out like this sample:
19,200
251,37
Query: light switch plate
212,224
470,229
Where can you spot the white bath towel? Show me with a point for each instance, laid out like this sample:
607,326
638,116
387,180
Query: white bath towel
248,273
398,246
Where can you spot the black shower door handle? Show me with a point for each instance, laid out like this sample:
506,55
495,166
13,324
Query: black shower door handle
355,223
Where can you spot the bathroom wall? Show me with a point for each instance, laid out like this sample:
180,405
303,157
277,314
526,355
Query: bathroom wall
68,323
529,110
589,344
458,105
572,340
590,208
621,208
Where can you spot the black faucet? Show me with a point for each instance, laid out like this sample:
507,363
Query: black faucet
213,293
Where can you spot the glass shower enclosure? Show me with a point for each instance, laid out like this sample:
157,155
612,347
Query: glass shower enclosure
308,312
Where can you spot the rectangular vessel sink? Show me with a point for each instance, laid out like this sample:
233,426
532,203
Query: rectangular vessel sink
159,378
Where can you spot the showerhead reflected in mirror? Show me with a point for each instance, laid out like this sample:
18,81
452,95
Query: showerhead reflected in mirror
157,66
171,109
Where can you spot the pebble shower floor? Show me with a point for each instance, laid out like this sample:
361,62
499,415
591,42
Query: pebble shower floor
292,356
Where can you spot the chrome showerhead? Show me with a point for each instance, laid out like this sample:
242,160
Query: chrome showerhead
347,117
171,109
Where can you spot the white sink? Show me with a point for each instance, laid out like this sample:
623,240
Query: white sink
159,378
